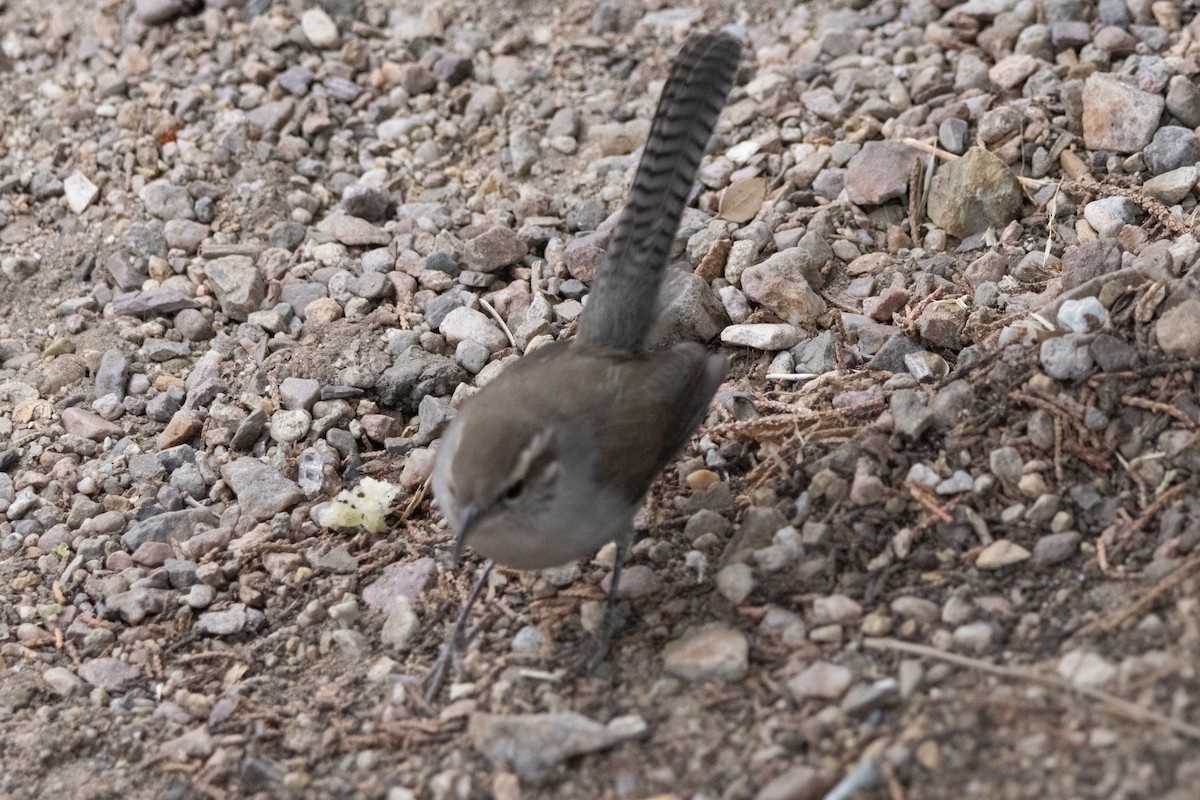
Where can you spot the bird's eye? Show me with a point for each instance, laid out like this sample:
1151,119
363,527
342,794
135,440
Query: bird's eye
515,490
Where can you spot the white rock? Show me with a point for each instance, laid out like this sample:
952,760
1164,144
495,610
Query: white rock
822,679
400,625
1084,668
735,582
1083,315
467,324
80,192
1106,216
714,651
320,29
62,681
763,335
1001,553
742,152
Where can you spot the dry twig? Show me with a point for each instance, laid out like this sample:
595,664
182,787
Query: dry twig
1117,706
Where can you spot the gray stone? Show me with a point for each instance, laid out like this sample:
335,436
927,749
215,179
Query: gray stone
286,235
162,407
1173,185
89,425
1066,357
146,239
159,350
235,619
818,355
440,306
165,201
237,284
1183,100
688,310
368,202
781,286
272,115
714,651
111,674
415,374
472,356
299,393
973,193
136,604
1117,115
495,248
159,12
1055,548
1171,148
299,295
879,172
356,232
467,324
1178,330
126,273
113,373
910,413
533,746
261,490
185,235
799,782
762,336
169,526
249,429
408,579
153,302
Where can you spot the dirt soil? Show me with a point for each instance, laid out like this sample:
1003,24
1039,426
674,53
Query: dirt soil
809,609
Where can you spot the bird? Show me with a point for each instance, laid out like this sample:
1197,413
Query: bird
552,459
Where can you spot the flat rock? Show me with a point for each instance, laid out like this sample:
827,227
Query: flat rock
167,201
716,651
168,526
408,579
1001,553
533,745
1117,115
782,287
160,300
1172,186
111,674
226,622
137,604
973,193
763,336
467,324
261,490
821,679
237,284
89,424
495,248
356,232
1178,330
879,172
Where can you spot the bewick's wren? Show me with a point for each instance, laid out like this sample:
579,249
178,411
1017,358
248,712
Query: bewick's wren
552,459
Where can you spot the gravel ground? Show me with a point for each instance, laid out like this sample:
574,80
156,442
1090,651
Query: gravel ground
938,537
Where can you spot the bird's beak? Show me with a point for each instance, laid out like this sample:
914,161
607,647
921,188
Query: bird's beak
468,514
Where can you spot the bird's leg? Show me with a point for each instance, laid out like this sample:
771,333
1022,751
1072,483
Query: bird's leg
433,682
597,647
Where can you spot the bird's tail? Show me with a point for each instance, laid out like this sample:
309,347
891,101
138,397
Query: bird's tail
621,307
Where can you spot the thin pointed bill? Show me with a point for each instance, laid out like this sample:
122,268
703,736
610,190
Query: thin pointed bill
467,516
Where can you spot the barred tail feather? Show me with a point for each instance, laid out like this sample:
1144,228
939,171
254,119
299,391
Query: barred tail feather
621,307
